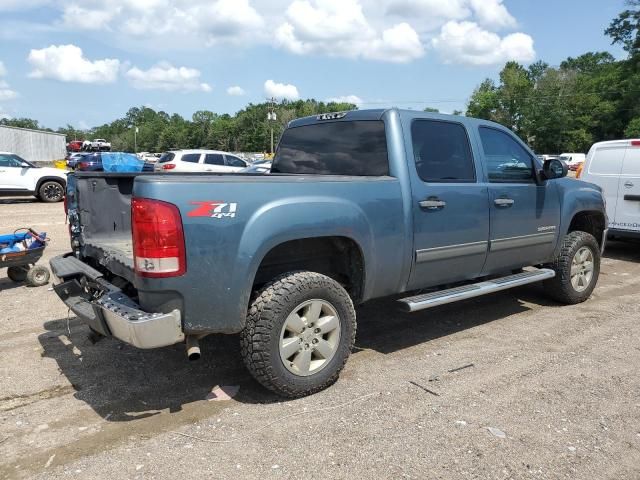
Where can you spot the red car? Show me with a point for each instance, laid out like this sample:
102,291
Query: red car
74,146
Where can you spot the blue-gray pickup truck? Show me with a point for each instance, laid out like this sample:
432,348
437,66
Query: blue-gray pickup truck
359,205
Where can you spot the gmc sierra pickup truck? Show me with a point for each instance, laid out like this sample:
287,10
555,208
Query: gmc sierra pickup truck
359,205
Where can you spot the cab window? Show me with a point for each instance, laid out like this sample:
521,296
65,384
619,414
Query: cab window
507,161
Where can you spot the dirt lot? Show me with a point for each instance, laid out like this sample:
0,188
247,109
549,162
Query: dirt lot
559,387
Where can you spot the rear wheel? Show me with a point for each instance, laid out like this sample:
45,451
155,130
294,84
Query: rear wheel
577,268
17,274
299,333
51,192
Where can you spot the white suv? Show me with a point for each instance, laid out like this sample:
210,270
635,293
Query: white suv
19,177
199,161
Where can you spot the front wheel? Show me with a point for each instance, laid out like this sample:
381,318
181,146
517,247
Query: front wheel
51,192
299,333
37,276
577,268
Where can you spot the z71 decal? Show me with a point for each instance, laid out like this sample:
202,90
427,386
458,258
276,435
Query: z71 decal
213,209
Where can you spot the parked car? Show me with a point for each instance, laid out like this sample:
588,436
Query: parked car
100,145
615,167
573,160
200,161
261,166
74,158
19,177
359,205
149,157
74,146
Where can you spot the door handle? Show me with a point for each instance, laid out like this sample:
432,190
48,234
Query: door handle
433,203
628,184
503,202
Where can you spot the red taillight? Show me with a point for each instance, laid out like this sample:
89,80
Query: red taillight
635,143
158,239
168,166
83,165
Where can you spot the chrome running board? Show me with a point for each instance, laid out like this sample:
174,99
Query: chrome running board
433,299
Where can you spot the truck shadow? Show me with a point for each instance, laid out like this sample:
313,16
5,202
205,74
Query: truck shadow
122,383
379,333
18,200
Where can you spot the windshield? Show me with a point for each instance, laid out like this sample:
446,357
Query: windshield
354,148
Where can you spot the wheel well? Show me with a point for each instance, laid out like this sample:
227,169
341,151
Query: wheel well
591,222
339,258
50,179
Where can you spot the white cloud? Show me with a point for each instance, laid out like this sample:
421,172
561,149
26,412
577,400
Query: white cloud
339,28
468,43
167,23
5,92
356,100
77,17
68,64
281,91
164,76
235,91
430,14
492,14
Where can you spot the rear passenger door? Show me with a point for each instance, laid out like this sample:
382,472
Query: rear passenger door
450,207
189,162
627,216
525,215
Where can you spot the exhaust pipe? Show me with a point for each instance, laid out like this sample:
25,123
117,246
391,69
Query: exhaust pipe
193,348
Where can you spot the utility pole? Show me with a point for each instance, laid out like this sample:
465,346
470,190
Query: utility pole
135,140
271,117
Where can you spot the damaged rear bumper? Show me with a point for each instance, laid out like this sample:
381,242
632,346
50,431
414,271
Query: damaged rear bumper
107,310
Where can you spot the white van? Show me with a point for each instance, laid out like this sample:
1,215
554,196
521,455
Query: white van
573,160
615,167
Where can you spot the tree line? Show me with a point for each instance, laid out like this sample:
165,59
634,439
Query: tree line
586,99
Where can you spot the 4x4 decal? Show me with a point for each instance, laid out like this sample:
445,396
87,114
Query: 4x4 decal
213,209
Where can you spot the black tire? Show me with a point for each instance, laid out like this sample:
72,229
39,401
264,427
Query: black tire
51,192
272,305
38,276
17,274
560,288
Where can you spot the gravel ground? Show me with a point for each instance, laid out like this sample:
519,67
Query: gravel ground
547,391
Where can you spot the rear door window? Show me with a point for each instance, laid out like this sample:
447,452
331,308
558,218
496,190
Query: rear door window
507,161
442,152
191,157
214,159
357,148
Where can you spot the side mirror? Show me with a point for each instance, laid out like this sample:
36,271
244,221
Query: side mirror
554,168
24,165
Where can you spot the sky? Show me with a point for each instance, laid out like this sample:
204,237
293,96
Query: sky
86,62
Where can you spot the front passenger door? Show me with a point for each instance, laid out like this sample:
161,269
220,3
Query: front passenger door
13,176
525,215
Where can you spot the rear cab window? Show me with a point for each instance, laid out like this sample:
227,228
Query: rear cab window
350,148
442,152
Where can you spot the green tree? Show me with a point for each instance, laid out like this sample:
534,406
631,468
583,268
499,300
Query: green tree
625,28
633,129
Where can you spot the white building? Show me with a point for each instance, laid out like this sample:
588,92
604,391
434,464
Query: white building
33,145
